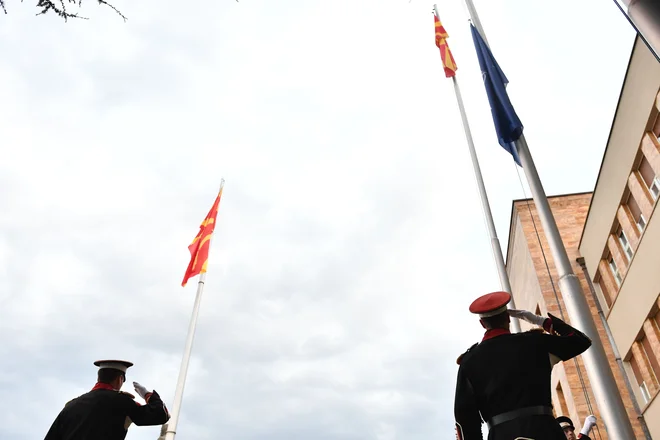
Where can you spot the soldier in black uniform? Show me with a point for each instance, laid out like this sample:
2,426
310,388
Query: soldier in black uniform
505,379
569,429
105,413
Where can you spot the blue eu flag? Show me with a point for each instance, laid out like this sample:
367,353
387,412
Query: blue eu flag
507,124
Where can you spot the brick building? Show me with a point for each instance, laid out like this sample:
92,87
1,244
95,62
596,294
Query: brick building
621,237
612,237
532,289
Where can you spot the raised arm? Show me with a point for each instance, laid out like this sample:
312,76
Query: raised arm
153,413
564,341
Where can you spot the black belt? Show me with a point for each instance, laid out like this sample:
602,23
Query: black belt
517,413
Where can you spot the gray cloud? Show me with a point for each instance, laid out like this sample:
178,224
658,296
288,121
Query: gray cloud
349,241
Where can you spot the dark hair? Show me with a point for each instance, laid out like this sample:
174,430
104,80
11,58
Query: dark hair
108,375
500,320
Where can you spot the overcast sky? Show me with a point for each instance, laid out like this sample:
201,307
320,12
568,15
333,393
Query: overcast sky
350,239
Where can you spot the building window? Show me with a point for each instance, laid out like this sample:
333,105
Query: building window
649,177
656,323
654,327
636,213
563,408
606,293
625,244
602,293
643,388
656,128
652,359
655,188
615,270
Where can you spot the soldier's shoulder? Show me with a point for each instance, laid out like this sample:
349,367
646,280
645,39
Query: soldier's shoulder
467,352
71,402
533,332
536,330
125,398
79,398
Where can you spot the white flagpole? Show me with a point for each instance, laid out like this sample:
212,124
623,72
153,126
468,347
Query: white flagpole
492,232
170,430
644,17
183,371
606,392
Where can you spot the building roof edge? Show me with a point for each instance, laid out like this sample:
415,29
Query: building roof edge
636,41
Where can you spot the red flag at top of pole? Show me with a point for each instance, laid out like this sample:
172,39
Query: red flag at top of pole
199,248
441,41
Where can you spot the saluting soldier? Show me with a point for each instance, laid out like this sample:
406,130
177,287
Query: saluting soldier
105,412
505,379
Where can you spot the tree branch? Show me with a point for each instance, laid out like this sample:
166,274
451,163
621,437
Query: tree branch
103,2
60,8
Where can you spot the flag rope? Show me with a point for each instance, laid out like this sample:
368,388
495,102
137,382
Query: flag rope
561,310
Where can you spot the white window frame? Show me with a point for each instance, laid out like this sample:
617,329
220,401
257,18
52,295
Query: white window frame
641,223
600,293
615,271
644,391
625,244
654,189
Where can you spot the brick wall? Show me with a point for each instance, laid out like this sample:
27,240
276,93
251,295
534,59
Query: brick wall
641,195
570,213
628,225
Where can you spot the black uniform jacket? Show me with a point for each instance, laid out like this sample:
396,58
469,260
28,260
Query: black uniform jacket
508,371
105,414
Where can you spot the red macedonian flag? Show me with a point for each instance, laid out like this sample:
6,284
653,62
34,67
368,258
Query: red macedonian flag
441,41
199,248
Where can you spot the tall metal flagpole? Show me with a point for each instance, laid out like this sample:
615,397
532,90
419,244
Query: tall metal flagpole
644,17
603,384
492,232
183,372
170,430
612,410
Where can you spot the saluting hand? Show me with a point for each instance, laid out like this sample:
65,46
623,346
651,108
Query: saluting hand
589,423
142,391
527,316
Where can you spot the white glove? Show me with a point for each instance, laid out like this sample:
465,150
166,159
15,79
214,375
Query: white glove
589,423
163,431
527,316
142,391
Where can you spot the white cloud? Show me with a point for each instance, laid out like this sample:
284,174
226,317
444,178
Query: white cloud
350,239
